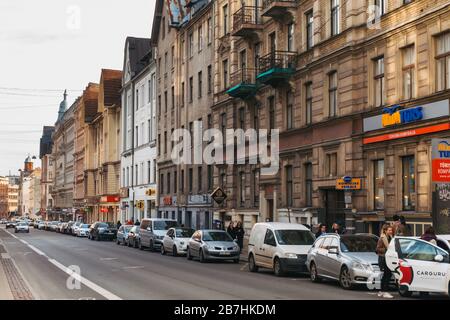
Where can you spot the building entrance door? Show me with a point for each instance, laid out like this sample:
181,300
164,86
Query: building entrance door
334,207
269,213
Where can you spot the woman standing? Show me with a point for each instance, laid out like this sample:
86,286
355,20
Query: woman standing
240,232
382,246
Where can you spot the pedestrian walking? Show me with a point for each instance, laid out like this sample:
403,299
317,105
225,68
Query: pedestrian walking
240,232
382,246
231,230
430,236
322,230
119,224
137,223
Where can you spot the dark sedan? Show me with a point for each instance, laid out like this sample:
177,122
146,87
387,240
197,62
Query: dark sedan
102,231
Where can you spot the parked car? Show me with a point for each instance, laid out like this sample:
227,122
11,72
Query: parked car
350,259
102,230
133,237
212,245
22,227
83,230
153,231
53,225
75,227
41,225
175,241
418,266
3,221
281,247
443,242
58,227
10,224
122,234
36,224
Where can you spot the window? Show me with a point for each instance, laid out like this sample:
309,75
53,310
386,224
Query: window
173,97
309,29
209,31
209,121
175,181
378,184
408,183
128,176
255,187
269,238
290,35
172,57
334,17
182,181
408,57
331,165
308,102
191,45
191,89
154,171
243,60
163,29
210,177
379,82
149,172
289,186
256,53
165,62
308,184
271,101
380,6
199,178
242,189
242,118
225,73
332,93
166,102
182,94
225,19
136,171
191,178
210,79
419,250
443,62
137,136
223,126
200,84
168,183
289,110
200,38
161,182
137,99
165,142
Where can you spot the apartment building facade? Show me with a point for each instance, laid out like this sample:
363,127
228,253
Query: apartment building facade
45,151
138,131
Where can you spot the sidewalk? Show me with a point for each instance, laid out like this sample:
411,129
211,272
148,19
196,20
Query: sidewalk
5,290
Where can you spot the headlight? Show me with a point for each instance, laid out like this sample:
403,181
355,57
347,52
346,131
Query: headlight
290,255
362,266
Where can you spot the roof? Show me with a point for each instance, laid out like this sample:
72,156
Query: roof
46,142
90,101
283,226
112,83
137,49
157,21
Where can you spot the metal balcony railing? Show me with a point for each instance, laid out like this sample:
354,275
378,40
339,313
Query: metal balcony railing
246,16
243,76
279,60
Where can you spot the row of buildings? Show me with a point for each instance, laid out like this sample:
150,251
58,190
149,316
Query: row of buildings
334,77
9,196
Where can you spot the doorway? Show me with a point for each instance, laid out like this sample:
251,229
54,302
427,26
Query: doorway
269,213
334,207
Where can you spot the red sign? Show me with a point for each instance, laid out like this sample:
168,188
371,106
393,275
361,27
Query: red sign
407,133
104,210
167,201
441,170
109,199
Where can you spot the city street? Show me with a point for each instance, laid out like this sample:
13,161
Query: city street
118,272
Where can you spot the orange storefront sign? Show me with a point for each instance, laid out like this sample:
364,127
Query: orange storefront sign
407,133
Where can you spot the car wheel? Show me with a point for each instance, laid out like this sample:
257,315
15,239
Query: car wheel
174,251
277,268
252,267
201,257
188,254
404,291
345,279
118,242
163,251
313,273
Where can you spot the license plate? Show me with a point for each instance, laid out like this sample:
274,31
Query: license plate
224,253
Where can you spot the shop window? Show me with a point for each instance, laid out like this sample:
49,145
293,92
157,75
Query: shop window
378,186
408,183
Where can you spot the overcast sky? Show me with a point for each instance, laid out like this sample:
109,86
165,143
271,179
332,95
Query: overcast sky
47,46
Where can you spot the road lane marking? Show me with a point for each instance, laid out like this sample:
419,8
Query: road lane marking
96,288
107,259
133,267
101,291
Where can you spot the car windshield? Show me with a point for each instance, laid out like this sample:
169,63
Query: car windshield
22,224
216,236
185,233
85,226
358,243
164,224
294,237
105,225
127,228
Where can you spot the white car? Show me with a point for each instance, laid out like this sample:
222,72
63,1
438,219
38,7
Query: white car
22,227
175,241
282,247
41,225
83,230
418,266
75,228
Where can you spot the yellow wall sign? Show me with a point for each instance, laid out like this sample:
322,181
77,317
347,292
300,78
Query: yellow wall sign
140,205
150,192
348,183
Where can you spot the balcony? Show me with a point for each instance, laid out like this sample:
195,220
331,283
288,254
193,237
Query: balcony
246,22
277,8
243,84
277,67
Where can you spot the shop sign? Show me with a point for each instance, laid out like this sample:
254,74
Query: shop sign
150,192
167,201
396,116
140,205
440,157
348,183
199,199
109,199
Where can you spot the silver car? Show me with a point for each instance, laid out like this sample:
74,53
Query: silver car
212,245
349,259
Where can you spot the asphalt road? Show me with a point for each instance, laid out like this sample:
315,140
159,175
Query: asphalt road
110,271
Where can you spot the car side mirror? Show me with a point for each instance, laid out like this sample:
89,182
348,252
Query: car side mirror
333,251
439,258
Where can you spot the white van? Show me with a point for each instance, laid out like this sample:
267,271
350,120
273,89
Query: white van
282,247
